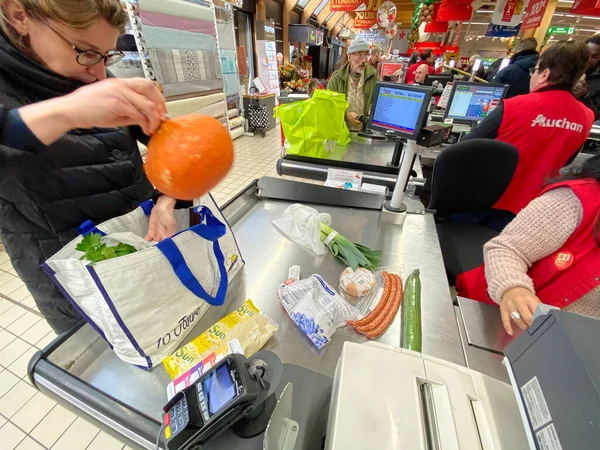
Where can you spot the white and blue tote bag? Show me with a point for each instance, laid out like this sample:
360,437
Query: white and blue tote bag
145,303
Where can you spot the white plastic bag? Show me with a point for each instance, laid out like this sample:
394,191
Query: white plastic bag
302,224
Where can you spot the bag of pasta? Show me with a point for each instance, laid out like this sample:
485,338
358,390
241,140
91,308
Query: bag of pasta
247,324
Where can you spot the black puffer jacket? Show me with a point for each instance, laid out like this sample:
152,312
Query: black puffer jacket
46,193
516,75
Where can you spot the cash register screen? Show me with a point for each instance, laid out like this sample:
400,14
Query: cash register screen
399,109
472,102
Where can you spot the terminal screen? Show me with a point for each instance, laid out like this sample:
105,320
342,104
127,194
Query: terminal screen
219,388
474,102
398,109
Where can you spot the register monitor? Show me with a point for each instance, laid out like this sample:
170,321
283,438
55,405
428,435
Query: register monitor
399,109
471,102
442,78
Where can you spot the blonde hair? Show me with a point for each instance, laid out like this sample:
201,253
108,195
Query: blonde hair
78,14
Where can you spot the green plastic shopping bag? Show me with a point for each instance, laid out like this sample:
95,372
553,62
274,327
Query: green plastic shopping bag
316,126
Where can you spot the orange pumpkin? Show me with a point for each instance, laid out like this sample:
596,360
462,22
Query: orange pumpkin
188,156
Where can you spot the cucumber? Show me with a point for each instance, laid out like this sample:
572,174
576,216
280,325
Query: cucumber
411,313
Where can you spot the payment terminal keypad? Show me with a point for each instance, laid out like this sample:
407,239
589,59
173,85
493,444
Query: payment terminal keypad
177,418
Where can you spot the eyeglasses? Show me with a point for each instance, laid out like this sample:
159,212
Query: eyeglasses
91,57
533,70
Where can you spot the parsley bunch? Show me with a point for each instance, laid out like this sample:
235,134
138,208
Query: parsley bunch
96,251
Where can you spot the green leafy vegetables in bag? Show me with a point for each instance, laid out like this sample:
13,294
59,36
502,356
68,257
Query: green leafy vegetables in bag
351,254
96,251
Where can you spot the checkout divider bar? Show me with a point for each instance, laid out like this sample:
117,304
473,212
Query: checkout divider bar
104,412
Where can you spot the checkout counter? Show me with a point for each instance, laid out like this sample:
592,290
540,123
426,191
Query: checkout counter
455,394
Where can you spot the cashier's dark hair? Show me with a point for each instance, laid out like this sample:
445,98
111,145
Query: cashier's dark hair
566,60
589,169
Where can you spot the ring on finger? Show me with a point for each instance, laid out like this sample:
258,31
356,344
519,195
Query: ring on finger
515,315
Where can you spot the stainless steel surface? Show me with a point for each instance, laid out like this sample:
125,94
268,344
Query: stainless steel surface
431,426
268,256
483,325
484,361
406,163
304,169
362,151
595,133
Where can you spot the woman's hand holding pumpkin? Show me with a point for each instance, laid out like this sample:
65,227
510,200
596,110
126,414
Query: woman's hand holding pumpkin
111,103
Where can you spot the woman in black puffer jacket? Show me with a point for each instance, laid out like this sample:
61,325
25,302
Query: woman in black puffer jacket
63,157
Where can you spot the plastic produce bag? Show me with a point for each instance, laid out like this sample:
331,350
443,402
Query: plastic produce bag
316,308
302,224
314,127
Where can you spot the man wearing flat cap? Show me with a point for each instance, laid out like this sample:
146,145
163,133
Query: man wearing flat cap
356,80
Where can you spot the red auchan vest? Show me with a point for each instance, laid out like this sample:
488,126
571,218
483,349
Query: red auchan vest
568,274
410,72
547,128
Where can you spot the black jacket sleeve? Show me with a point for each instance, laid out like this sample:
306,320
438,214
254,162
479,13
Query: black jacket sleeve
488,128
15,133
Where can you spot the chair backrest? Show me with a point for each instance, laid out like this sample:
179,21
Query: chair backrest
471,175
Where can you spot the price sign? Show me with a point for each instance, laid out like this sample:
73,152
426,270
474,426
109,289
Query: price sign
535,13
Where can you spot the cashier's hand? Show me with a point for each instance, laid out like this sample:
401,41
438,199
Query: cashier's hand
162,220
519,300
353,118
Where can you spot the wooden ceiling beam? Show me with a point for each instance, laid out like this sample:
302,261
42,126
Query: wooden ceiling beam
308,10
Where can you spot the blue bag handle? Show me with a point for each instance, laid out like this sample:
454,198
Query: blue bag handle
211,230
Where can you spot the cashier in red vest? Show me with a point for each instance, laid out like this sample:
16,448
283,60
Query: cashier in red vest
550,253
547,126
427,57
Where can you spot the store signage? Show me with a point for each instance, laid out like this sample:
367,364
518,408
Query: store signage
347,5
509,10
534,14
365,19
561,30
389,69
238,3
587,7
501,30
374,37
269,32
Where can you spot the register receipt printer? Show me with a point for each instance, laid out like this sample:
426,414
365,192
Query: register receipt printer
389,398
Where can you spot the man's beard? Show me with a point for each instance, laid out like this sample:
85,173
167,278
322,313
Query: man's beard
359,69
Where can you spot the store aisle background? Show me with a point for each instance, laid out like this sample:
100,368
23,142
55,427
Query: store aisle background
28,419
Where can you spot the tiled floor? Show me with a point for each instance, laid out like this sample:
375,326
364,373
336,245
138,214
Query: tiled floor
28,419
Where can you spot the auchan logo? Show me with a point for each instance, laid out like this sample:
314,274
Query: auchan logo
543,121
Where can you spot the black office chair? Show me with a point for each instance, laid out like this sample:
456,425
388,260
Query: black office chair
469,177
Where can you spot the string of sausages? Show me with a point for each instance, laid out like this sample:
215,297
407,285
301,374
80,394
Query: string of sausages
378,321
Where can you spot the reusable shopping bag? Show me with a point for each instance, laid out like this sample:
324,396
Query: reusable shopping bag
145,303
314,127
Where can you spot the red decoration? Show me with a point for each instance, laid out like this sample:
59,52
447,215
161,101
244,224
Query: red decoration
534,14
455,10
436,48
402,35
433,26
587,7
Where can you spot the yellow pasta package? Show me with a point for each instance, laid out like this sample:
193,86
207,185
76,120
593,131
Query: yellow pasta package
247,324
